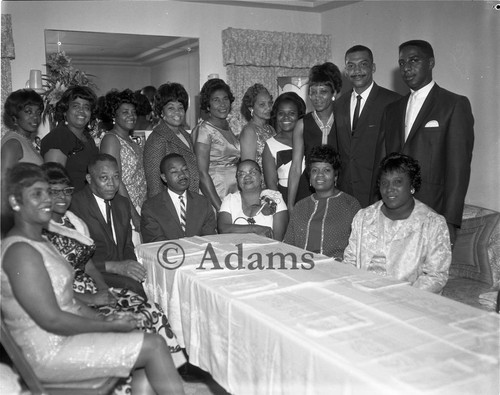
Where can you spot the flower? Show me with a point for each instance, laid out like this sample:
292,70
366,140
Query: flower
60,76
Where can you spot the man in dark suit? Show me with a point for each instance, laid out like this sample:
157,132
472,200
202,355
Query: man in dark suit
434,126
176,212
357,115
107,215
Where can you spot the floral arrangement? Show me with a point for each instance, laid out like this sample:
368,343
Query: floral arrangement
60,76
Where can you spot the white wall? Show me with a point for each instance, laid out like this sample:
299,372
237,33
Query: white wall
465,38
170,18
184,70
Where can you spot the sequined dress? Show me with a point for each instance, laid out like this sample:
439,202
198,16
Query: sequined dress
65,358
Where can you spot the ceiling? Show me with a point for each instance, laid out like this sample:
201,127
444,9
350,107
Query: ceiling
293,5
114,49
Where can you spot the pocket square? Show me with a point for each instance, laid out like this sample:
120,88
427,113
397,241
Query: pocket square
432,124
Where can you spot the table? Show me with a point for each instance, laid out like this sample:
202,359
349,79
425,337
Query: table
333,329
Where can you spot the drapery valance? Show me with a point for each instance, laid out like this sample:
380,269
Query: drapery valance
7,55
254,56
244,47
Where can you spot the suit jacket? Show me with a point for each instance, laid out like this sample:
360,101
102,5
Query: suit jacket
161,142
441,139
85,206
357,149
159,219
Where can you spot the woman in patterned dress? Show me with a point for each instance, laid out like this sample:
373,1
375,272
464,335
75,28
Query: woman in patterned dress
62,338
120,107
169,136
217,148
256,107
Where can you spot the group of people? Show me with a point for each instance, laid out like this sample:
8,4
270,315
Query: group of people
311,180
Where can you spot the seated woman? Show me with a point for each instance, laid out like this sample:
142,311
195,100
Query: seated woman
251,209
62,338
400,236
70,236
321,223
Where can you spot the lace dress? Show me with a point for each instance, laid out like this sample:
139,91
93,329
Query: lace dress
133,175
65,358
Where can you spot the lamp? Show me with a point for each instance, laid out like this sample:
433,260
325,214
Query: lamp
35,81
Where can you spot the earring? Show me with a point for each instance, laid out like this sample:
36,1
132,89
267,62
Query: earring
16,208
113,121
412,191
251,112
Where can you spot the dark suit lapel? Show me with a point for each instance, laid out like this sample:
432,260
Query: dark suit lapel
120,226
345,112
368,107
423,113
95,212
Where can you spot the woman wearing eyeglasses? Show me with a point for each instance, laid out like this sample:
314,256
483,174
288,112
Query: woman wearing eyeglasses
70,143
251,209
70,236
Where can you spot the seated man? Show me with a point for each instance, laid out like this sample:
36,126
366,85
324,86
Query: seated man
107,215
176,212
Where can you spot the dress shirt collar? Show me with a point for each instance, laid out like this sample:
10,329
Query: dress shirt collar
423,92
175,200
364,95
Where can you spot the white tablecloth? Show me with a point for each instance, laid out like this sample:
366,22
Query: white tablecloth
330,330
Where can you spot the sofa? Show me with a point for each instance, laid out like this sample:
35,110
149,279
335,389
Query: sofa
475,267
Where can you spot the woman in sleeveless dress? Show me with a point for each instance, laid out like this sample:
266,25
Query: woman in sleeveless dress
120,107
256,107
316,128
62,338
217,148
22,115
277,156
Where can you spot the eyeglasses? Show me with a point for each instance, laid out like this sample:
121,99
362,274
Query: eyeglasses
252,173
68,191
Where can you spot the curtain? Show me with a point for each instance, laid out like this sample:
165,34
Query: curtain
7,54
252,56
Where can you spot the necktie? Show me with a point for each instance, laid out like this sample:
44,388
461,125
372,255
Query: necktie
183,213
108,215
356,113
410,118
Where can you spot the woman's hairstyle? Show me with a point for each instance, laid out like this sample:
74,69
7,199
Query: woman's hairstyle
287,97
56,173
114,99
143,107
401,164
241,162
16,102
171,91
327,74
73,93
209,88
323,154
22,175
248,100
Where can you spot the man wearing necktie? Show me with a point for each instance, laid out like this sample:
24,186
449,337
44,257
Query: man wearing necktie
435,127
357,115
176,212
107,215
